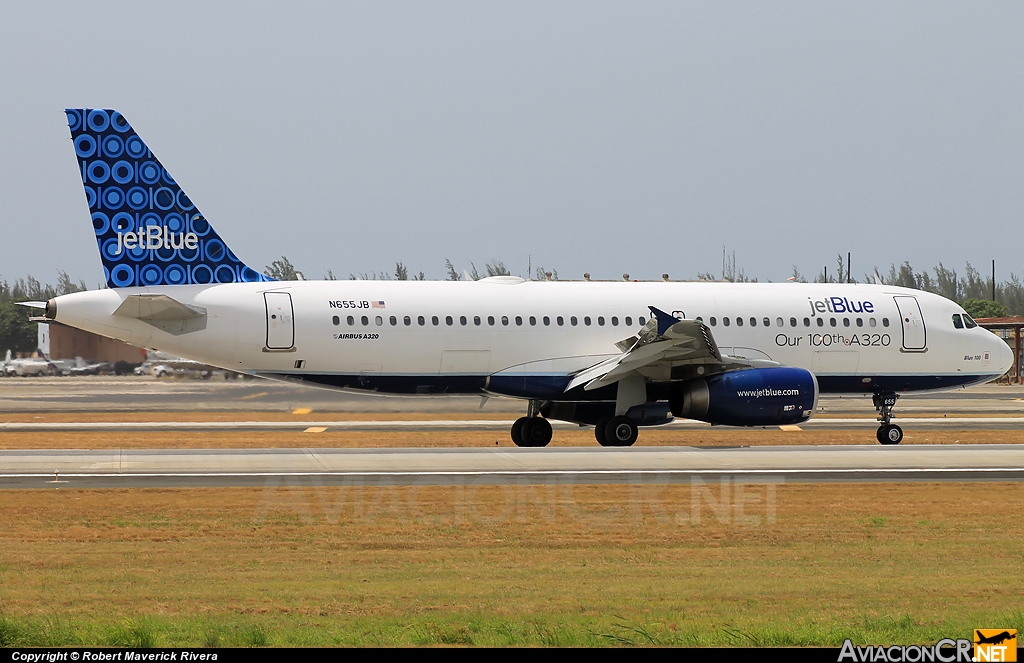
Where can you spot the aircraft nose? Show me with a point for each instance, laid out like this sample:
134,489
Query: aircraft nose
1002,355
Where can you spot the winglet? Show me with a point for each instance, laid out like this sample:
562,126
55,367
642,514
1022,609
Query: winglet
664,320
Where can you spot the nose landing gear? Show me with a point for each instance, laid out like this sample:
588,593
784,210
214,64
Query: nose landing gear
888,433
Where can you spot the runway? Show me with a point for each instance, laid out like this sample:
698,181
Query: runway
393,467
823,423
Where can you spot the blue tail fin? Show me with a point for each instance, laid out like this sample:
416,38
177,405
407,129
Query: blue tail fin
147,229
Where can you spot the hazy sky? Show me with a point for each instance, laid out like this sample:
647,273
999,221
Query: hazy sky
601,137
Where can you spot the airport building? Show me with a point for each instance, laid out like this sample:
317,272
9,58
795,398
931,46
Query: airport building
59,341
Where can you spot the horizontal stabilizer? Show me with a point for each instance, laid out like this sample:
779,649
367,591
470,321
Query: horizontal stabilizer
164,313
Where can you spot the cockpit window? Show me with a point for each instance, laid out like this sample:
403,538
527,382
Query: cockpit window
969,322
957,322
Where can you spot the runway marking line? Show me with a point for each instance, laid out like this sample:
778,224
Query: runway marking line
791,428
262,393
428,473
302,410
315,429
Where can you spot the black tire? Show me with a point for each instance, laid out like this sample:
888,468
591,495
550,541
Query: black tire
880,435
621,432
892,434
536,432
517,431
599,431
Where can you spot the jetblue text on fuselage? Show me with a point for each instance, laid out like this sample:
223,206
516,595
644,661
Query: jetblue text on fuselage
839,305
156,237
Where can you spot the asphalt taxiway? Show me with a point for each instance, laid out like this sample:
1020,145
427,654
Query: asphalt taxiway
369,467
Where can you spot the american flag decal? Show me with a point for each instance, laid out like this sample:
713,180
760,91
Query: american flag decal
377,304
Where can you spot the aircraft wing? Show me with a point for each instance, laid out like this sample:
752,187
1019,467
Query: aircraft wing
663,343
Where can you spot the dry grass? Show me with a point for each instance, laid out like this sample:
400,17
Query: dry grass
710,437
511,565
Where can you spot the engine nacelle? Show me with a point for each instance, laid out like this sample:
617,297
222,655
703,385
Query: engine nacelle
751,397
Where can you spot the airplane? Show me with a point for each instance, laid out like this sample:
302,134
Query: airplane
38,365
612,355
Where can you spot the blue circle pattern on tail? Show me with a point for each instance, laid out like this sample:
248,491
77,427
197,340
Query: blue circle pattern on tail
148,230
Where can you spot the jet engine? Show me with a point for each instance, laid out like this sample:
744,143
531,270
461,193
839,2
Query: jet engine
751,397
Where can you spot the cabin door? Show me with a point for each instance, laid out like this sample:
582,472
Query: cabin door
280,321
915,336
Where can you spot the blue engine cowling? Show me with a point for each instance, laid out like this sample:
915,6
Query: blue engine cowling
751,397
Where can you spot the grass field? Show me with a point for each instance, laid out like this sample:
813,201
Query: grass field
511,565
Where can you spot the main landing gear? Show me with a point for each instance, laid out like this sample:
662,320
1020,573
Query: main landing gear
531,430
616,432
888,433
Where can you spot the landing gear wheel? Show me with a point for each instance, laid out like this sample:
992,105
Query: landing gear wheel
517,431
536,432
621,432
889,434
599,431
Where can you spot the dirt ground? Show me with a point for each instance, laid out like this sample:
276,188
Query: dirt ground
710,437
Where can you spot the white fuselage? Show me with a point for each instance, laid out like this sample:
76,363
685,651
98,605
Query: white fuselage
850,336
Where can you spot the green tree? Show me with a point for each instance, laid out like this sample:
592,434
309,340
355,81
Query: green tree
17,334
452,274
984,308
282,270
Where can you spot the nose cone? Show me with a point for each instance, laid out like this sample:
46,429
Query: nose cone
1002,355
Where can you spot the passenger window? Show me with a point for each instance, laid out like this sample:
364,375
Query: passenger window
807,322
476,320
573,321
600,320
519,320
490,320
792,322
437,322
421,321
860,322
699,319
714,321
394,321
821,322
642,321
629,321
832,321
350,320
615,321
969,321
586,320
725,321
872,323
957,322
739,322
560,320
365,320
448,320
846,322
337,321
779,322
462,320
533,320
885,322
753,322
379,320
408,321
504,320
547,321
